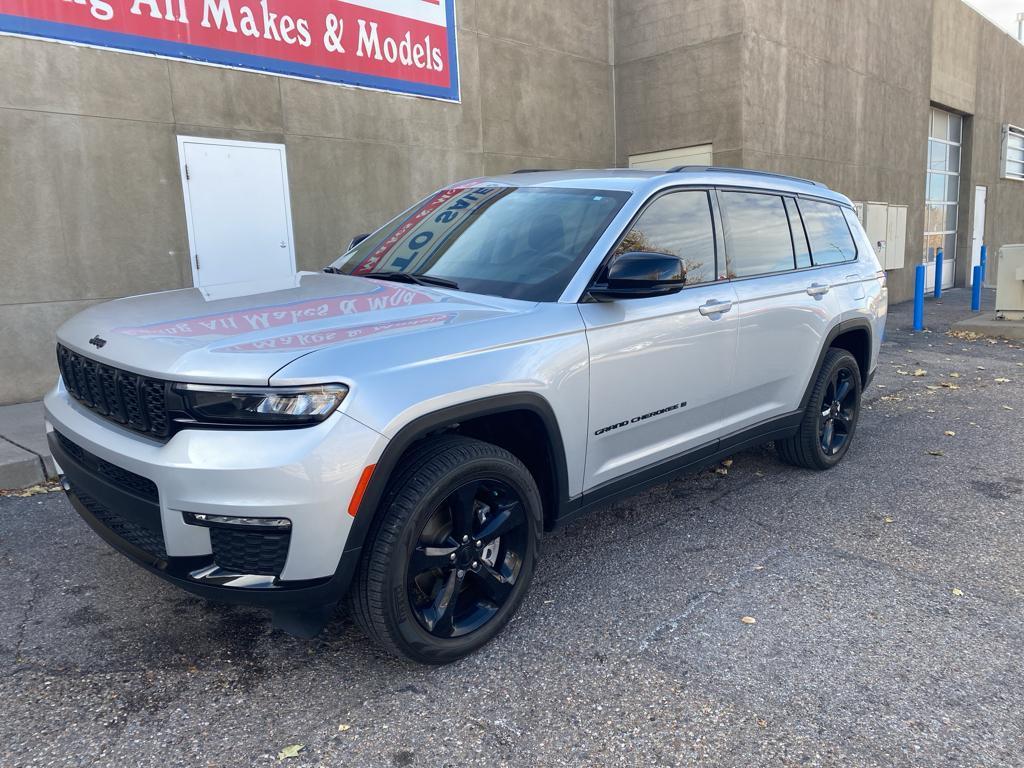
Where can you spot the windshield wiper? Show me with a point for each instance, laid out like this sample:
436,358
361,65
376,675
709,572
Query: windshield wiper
415,279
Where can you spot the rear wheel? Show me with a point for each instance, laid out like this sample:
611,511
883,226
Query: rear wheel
452,551
830,419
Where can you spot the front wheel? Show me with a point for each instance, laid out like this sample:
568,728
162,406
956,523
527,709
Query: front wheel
452,551
830,419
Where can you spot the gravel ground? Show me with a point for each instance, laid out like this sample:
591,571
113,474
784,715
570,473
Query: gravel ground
887,595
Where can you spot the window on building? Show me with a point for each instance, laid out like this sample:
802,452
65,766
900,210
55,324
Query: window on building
1013,152
828,232
942,190
679,224
757,236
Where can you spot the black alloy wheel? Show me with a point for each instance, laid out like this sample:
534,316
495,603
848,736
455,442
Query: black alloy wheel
451,550
468,557
839,411
830,417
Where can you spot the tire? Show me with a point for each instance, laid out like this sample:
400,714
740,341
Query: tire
433,584
807,448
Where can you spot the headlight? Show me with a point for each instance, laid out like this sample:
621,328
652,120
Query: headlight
271,406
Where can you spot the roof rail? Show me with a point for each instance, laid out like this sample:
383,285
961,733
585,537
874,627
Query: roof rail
531,170
722,169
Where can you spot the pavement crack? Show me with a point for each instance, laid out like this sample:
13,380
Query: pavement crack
33,585
671,625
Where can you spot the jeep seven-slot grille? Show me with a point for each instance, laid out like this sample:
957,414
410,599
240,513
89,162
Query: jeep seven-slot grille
136,402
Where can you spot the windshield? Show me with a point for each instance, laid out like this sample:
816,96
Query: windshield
515,242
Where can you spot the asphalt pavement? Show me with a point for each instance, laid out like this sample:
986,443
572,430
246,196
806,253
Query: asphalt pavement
886,594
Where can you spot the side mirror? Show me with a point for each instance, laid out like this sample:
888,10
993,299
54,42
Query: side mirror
356,241
640,275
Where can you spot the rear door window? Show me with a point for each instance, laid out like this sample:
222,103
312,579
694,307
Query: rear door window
679,224
828,233
757,235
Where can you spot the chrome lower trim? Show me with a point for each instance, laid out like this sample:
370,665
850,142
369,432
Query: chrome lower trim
215,576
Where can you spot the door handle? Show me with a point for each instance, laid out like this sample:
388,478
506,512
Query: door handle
818,289
715,307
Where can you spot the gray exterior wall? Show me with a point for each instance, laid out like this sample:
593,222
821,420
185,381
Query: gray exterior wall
91,202
834,91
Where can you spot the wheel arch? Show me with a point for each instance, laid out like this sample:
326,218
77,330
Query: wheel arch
526,410
855,337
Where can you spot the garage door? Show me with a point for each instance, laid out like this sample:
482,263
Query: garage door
662,161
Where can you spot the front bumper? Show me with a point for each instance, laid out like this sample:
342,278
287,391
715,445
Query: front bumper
135,493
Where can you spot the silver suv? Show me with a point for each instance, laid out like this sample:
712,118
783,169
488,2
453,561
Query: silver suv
403,427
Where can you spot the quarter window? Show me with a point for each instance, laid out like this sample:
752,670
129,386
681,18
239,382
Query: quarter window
678,224
757,236
828,232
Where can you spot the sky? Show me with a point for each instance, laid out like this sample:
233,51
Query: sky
1002,12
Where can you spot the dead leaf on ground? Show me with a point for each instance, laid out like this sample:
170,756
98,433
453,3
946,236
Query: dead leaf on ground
888,520
965,335
292,750
748,620
344,727
1002,380
950,385
1007,408
34,490
920,372
949,433
902,373
958,592
936,453
954,375
727,463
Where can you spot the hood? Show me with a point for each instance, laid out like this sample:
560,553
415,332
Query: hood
241,333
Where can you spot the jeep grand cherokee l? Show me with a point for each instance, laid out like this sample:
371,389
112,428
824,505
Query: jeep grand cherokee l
402,428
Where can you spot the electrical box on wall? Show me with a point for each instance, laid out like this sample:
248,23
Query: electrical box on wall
1010,283
886,228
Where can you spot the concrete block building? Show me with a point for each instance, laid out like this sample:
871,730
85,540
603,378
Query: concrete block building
116,161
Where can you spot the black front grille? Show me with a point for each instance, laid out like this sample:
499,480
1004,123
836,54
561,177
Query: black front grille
150,540
251,552
136,402
115,475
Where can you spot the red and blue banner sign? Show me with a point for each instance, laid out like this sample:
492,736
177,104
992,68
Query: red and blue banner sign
404,46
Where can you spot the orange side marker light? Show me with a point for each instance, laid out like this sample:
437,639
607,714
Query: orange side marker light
357,497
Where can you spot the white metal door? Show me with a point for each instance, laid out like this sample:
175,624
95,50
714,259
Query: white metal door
238,210
980,197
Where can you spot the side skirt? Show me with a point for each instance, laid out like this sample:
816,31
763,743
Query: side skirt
691,461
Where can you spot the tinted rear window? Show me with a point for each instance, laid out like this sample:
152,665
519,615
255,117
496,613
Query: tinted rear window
828,232
757,238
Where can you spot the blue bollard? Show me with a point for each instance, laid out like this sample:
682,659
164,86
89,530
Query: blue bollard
984,261
938,274
919,298
976,290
